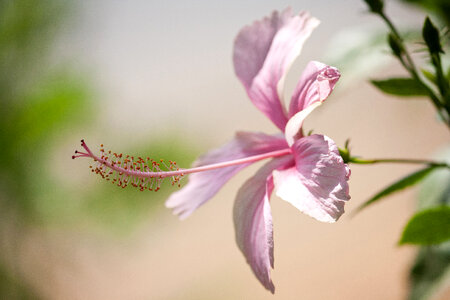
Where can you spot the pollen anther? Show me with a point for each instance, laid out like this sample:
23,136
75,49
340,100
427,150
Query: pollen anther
144,174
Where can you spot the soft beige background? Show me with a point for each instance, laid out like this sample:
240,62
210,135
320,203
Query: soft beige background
167,64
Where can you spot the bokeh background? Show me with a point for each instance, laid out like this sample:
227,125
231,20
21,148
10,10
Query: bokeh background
156,78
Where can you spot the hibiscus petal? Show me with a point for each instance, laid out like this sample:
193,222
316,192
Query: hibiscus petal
253,220
315,85
203,186
317,184
263,53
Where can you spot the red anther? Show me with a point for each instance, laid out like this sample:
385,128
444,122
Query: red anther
139,172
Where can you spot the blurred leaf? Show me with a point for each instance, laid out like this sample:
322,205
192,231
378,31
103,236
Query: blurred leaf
12,287
430,271
406,87
399,185
357,52
428,227
440,7
396,45
431,36
58,101
49,108
435,188
27,31
375,6
429,75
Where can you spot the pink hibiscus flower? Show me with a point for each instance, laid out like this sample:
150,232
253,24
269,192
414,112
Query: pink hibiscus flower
306,171
309,173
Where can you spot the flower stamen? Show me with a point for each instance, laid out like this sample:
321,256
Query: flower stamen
144,174
148,174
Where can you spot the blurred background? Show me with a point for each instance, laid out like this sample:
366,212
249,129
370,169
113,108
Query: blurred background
155,78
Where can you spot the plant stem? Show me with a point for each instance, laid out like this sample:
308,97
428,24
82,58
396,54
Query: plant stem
430,163
411,68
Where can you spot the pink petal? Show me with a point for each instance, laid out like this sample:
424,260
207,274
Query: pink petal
317,185
315,85
203,186
253,220
263,53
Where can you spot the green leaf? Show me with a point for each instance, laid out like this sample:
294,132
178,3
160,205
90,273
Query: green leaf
397,186
401,87
428,227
